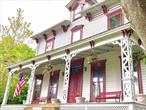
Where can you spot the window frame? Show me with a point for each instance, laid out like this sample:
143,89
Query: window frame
113,14
74,12
50,39
139,77
56,72
34,93
103,62
75,29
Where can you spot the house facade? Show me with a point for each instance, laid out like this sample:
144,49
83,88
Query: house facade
87,57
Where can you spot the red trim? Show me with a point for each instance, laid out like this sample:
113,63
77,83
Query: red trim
54,32
54,72
75,29
49,40
140,85
104,76
104,9
89,16
65,28
114,13
37,40
127,33
34,93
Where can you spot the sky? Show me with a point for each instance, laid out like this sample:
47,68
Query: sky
42,14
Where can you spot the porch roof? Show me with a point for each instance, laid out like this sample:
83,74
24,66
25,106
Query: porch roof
73,46
49,30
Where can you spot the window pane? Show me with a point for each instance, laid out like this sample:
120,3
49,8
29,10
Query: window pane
77,14
53,85
136,86
76,35
49,46
115,21
38,87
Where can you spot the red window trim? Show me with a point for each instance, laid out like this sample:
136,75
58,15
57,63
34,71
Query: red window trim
104,76
54,72
75,29
112,14
48,40
40,76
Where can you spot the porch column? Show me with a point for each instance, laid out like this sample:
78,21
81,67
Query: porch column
127,66
31,85
6,94
67,58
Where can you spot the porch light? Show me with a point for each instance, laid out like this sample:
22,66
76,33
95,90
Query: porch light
92,57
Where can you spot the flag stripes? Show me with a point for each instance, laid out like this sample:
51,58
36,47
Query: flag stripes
19,86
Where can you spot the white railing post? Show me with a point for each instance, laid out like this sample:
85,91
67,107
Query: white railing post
31,84
67,58
127,66
6,94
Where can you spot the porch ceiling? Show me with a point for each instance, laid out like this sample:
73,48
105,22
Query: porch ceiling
98,50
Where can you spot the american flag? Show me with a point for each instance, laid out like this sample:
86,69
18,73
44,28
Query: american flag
19,86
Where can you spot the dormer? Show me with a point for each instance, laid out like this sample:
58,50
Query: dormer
76,6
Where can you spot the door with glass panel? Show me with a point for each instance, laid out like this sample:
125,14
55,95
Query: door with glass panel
97,80
37,87
53,85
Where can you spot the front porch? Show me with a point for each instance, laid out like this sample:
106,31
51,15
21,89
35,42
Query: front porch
79,106
74,76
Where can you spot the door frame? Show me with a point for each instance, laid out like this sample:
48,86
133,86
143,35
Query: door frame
104,76
54,72
39,76
75,63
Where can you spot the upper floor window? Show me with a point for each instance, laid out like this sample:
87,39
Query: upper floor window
115,19
49,43
76,14
77,33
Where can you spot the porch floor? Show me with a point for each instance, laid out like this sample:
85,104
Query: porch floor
79,106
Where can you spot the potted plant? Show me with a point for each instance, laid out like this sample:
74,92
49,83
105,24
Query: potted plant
54,100
137,57
80,99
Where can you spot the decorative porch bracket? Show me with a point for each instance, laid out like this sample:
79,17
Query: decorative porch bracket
31,84
67,58
127,68
6,94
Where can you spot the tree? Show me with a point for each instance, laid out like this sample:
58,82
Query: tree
13,50
17,28
135,11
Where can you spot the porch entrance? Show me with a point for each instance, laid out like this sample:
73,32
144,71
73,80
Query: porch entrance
53,85
37,87
75,81
98,82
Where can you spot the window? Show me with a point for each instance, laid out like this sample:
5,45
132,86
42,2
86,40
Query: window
49,43
97,79
115,19
53,84
38,86
76,14
77,33
137,79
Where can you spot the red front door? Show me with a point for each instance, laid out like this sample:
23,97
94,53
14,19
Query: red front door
75,81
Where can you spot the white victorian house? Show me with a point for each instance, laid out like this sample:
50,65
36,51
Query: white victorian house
87,57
